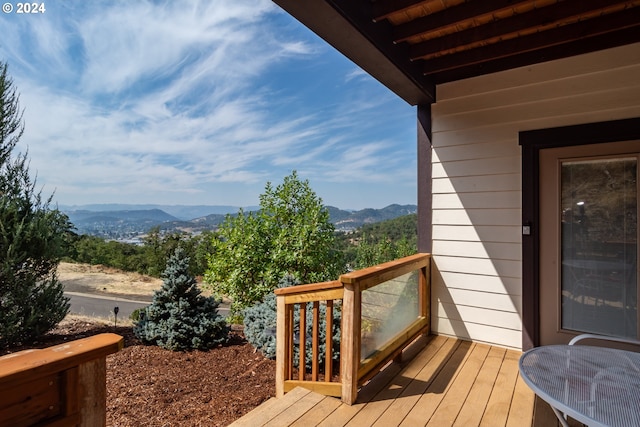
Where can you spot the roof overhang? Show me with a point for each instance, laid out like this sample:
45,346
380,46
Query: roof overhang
411,46
384,65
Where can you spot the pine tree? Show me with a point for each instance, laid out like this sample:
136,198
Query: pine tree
179,317
32,237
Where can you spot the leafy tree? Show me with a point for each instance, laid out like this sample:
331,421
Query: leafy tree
201,246
154,251
369,254
179,317
148,259
393,229
376,243
32,237
290,234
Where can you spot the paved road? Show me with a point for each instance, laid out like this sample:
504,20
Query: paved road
102,306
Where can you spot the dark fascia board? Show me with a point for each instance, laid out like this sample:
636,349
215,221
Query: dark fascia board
335,29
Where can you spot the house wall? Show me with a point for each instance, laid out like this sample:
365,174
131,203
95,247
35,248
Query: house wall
476,178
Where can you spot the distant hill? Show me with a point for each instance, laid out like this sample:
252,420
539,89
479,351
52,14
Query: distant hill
181,212
345,220
130,223
115,224
153,215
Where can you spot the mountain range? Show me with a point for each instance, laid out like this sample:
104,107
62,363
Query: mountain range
181,212
118,221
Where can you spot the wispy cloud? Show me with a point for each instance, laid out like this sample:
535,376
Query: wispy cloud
355,73
171,102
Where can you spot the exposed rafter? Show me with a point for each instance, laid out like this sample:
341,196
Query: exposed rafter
383,8
451,17
508,28
564,35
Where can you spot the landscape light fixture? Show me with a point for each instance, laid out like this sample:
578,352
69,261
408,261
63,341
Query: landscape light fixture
116,309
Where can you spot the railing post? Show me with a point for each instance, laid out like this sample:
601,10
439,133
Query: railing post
281,344
92,385
350,342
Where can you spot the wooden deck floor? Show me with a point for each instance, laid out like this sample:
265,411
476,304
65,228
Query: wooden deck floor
442,382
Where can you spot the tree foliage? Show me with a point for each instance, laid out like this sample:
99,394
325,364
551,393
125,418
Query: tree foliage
179,317
150,258
290,234
369,253
32,237
380,242
260,327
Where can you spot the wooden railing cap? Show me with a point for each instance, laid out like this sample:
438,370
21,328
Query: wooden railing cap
58,357
407,263
312,287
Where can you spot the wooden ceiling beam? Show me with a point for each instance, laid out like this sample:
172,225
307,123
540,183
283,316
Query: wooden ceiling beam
580,31
451,16
517,23
383,8
578,47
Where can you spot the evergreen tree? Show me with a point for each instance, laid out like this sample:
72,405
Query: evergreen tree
179,317
32,237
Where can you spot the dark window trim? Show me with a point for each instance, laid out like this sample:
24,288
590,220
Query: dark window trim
532,142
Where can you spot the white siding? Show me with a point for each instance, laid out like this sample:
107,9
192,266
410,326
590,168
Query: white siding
477,274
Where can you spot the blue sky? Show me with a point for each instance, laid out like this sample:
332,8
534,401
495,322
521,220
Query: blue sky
200,102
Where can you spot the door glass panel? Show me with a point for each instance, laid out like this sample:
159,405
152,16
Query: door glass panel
599,246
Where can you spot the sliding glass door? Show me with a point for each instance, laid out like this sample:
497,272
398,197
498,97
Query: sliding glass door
589,241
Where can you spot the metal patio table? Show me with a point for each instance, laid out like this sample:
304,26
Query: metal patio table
597,386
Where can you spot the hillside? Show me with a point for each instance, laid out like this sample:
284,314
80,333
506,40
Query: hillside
180,212
346,221
131,223
114,224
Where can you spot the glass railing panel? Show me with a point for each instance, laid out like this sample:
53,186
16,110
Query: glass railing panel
388,309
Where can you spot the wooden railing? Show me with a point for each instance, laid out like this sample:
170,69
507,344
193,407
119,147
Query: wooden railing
287,300
343,295
62,385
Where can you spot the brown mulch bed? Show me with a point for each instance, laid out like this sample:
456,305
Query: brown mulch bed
149,386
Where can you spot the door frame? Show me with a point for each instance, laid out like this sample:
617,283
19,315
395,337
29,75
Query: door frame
532,142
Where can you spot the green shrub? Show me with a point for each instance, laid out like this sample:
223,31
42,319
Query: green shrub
260,326
135,314
179,317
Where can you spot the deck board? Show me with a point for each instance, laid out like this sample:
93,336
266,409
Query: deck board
497,409
429,401
522,405
454,399
295,411
473,410
428,367
378,411
446,382
271,409
318,413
